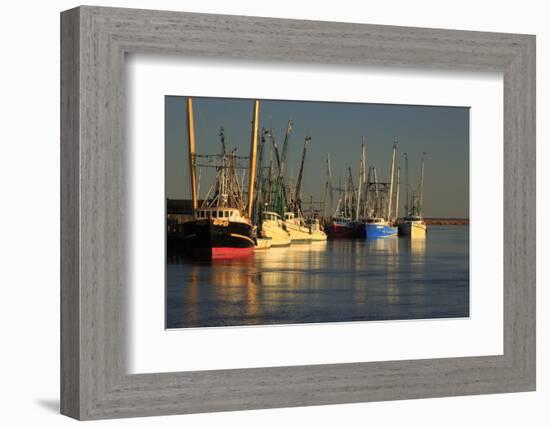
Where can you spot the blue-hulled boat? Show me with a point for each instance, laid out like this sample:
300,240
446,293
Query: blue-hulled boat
381,203
375,228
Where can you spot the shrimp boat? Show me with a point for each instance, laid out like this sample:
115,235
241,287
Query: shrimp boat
343,224
284,199
317,232
381,204
297,228
277,219
341,227
221,227
273,227
413,225
378,227
270,199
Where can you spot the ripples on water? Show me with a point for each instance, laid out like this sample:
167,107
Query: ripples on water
334,281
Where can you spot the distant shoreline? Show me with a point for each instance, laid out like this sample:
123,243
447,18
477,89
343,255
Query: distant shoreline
447,221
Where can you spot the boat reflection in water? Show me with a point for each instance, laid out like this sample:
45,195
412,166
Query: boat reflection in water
417,245
335,281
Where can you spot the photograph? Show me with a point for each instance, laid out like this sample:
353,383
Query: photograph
283,212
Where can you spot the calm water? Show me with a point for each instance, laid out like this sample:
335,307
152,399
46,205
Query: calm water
336,281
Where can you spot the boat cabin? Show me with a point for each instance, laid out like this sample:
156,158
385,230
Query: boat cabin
341,220
289,216
271,216
375,221
412,218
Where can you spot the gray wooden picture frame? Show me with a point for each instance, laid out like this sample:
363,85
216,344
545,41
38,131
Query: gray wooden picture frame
94,382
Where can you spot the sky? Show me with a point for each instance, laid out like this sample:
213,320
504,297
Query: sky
337,129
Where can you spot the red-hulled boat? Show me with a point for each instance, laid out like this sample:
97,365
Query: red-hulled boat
219,233
342,227
221,227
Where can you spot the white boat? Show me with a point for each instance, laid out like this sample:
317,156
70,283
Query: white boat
299,231
273,227
412,227
317,233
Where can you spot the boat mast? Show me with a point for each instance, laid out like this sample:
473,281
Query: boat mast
421,185
366,180
279,198
192,161
260,181
199,184
328,189
269,201
233,182
397,196
367,204
276,149
337,212
222,140
223,187
406,185
253,148
392,173
297,198
377,201
345,199
351,196
361,179
285,148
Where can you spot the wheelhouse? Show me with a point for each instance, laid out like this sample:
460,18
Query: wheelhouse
375,220
413,218
341,220
271,216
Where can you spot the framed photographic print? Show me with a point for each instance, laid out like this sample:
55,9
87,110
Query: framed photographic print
345,212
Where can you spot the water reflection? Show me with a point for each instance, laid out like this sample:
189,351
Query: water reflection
340,280
418,246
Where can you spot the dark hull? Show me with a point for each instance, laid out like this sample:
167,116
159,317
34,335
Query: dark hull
217,239
342,231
